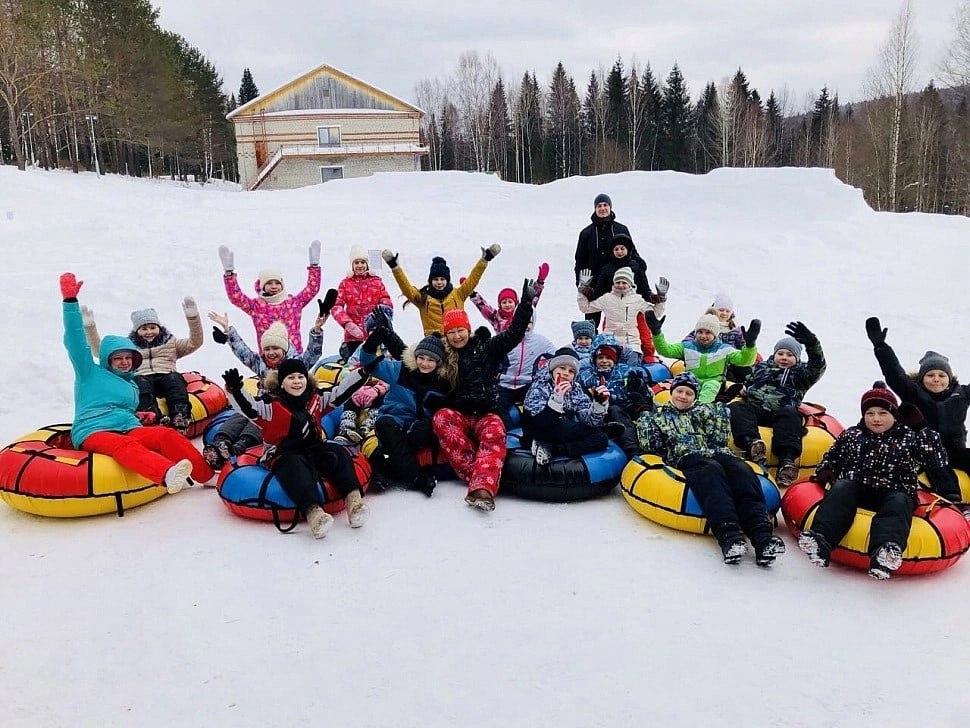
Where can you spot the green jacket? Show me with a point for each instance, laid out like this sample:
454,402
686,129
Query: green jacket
707,363
672,434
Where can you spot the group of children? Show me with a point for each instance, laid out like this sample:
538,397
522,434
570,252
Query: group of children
455,393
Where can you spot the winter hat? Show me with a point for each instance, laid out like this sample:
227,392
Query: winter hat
357,252
291,366
880,396
439,269
686,379
583,328
456,318
607,350
708,322
603,197
930,361
508,293
787,342
369,320
624,274
430,346
723,300
269,274
146,316
276,335
564,357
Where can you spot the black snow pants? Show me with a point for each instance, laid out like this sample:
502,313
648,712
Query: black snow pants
299,472
564,436
171,388
786,424
400,446
891,524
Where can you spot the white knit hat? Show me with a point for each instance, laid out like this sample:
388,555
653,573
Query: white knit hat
723,300
708,322
269,274
357,252
276,335
624,274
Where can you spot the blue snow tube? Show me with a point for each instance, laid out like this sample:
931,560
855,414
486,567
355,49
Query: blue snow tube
658,371
564,479
215,425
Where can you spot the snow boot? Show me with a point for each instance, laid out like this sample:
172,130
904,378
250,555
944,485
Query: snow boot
786,474
733,550
348,427
318,520
758,452
181,422
480,499
766,552
885,561
541,453
426,483
357,510
816,547
613,430
212,457
177,477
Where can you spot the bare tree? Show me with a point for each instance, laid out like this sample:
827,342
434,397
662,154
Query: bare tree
475,78
429,93
956,65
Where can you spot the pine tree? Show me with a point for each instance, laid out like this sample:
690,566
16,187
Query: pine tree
707,131
617,127
677,123
563,136
773,123
592,127
449,136
501,129
820,127
232,103
247,89
652,105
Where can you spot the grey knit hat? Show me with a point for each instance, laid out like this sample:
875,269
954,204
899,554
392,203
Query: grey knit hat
564,357
583,328
787,342
603,197
144,316
932,360
430,346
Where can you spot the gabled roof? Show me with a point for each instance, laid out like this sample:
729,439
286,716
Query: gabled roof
321,70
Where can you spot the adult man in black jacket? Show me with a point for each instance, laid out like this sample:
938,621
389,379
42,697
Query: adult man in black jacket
595,244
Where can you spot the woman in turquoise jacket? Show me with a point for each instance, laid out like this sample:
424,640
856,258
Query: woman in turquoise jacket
105,402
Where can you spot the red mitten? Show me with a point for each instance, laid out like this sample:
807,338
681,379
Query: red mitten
70,286
146,418
543,272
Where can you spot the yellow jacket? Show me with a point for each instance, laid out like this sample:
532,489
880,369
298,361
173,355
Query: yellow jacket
430,308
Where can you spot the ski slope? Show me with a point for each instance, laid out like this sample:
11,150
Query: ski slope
433,614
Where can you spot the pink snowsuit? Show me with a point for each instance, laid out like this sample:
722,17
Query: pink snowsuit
357,296
288,311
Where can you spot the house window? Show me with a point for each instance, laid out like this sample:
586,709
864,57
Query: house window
328,136
329,173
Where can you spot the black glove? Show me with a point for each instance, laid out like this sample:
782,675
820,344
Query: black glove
639,401
328,301
801,333
219,336
380,319
634,382
233,380
751,333
377,337
528,291
875,332
654,323
823,475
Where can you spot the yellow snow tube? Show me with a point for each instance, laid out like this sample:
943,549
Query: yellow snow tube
962,477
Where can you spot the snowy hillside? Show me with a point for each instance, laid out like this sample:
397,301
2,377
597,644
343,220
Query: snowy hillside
578,615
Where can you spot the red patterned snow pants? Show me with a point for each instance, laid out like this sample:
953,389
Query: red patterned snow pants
479,465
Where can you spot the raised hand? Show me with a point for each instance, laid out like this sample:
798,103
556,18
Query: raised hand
233,380
389,258
585,278
663,285
219,336
313,254
601,394
543,273
751,333
528,292
326,305
875,332
654,323
801,333
491,251
220,318
227,258
70,286
189,307
87,316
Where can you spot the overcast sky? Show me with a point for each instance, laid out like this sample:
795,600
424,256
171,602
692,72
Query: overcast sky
798,44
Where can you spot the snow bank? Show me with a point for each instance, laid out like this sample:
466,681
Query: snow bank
433,615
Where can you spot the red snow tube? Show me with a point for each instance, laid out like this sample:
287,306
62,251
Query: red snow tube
938,537
206,398
250,490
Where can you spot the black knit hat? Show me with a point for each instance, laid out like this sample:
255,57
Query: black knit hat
603,197
439,269
291,366
930,361
430,346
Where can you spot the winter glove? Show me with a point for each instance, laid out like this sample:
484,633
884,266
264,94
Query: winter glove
654,323
875,332
219,336
528,292
751,333
801,333
823,475
227,258
87,316
233,380
543,273
634,381
601,394
354,331
313,254
389,258
663,285
585,278
326,305
379,318
189,307
377,337
639,401
70,286
146,418
491,251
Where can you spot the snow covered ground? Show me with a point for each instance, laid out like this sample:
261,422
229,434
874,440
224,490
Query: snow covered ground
575,615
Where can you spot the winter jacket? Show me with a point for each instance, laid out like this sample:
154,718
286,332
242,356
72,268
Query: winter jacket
945,412
432,308
595,245
160,356
412,395
522,360
707,363
732,337
264,310
498,318
620,314
672,434
614,379
104,400
583,352
357,296
256,363
474,381
889,460
772,388
603,283
575,405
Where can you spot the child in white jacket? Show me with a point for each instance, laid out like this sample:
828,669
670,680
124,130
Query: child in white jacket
621,306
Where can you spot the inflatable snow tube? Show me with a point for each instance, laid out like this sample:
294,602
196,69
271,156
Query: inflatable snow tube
659,493
659,372
206,398
563,480
328,371
821,429
435,459
677,367
938,537
250,490
963,478
43,474
215,425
